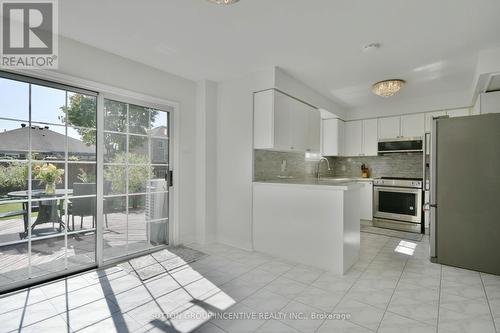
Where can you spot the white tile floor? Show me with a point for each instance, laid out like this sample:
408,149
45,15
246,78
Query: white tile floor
393,288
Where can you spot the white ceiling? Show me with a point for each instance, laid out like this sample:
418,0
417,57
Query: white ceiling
431,44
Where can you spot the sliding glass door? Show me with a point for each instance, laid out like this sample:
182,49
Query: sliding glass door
47,180
50,171
135,187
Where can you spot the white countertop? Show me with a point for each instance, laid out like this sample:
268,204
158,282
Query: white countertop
341,183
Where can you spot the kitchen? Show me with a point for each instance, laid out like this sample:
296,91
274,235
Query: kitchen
252,166
385,159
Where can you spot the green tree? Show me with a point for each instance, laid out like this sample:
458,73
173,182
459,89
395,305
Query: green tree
13,176
138,174
81,112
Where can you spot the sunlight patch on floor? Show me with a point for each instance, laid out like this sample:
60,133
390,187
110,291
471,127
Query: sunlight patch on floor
406,247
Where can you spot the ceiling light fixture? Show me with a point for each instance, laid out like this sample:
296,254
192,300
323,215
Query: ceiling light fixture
388,88
370,47
223,2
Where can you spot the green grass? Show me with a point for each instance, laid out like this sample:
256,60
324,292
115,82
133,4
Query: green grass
4,208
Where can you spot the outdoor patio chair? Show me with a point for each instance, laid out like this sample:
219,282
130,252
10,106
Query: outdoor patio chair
82,207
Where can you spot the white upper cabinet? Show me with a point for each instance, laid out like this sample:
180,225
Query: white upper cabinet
429,116
284,123
389,127
413,125
332,137
489,102
263,118
370,137
353,138
313,131
458,113
299,119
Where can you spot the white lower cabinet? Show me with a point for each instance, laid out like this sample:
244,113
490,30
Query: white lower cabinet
315,225
366,200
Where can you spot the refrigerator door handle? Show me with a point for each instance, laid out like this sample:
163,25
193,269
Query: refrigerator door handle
433,228
427,157
433,188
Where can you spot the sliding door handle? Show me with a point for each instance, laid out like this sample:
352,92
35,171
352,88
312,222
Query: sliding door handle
170,178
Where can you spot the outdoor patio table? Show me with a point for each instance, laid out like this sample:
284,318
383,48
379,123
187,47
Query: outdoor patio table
48,209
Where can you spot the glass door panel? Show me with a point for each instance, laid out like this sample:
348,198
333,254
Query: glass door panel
115,226
47,180
135,166
49,173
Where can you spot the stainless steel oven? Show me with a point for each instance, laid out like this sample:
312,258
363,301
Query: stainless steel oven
397,204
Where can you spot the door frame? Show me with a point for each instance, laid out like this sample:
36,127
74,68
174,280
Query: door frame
108,91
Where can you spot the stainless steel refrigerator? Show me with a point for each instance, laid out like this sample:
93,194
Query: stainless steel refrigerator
465,192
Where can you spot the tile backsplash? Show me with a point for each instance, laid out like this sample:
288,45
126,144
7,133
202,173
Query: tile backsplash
267,165
397,165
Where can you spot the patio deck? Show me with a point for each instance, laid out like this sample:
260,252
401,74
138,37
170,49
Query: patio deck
48,254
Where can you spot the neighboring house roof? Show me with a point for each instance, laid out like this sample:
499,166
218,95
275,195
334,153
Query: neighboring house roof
161,131
42,140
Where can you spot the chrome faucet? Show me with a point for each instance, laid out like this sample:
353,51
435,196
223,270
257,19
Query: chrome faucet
319,164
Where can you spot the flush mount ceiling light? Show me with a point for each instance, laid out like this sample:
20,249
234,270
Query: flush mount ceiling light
388,88
370,47
223,2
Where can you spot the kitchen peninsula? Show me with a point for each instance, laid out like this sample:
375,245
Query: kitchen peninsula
313,222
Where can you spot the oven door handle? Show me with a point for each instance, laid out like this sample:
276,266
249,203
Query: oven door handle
397,189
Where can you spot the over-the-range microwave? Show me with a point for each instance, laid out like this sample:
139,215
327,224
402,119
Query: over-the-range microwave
401,145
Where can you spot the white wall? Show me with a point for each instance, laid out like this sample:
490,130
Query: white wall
476,109
235,157
206,155
285,82
85,62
